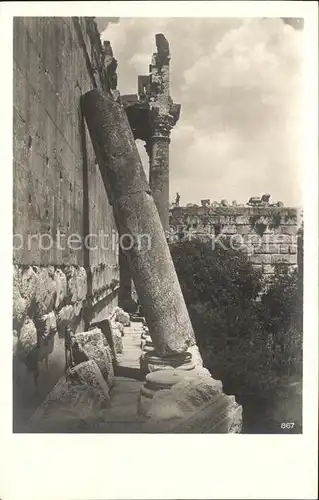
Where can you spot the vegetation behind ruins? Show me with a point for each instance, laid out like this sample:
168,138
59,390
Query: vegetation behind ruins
249,338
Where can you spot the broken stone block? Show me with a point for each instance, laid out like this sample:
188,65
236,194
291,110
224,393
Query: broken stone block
78,308
117,334
28,337
194,405
19,307
118,345
77,283
92,345
46,328
27,346
105,327
61,288
50,325
15,340
75,403
28,284
45,290
122,317
64,317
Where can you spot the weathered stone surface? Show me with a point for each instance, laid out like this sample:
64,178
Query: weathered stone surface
45,290
28,336
154,362
77,283
15,340
185,397
61,288
268,269
49,324
20,308
74,402
156,381
64,317
92,345
283,259
118,344
117,330
46,326
194,405
135,214
28,284
122,317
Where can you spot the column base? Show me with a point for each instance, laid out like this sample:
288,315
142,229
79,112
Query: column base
150,361
157,381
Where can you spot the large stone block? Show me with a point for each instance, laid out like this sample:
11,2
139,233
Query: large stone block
242,220
284,259
266,248
282,239
61,288
77,283
193,405
289,230
65,317
293,249
92,345
268,269
27,338
262,258
122,317
243,230
74,403
284,248
45,290
28,283
19,309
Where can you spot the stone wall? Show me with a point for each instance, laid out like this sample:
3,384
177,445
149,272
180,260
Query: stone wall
269,235
57,192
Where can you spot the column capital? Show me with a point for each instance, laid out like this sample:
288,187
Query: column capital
161,129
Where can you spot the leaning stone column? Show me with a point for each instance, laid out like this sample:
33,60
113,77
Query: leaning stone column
125,290
139,225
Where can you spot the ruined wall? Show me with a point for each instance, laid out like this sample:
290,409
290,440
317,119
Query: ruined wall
269,235
57,192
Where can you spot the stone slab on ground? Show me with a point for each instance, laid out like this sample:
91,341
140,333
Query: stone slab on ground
194,405
74,401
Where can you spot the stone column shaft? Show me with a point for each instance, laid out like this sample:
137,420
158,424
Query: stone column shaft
159,177
136,215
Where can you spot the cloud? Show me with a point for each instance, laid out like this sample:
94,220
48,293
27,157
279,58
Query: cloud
239,82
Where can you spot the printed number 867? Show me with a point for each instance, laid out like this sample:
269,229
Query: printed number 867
287,425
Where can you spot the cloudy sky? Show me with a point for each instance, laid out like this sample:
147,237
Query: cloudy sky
239,82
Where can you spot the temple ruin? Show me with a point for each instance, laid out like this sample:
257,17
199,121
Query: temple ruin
81,199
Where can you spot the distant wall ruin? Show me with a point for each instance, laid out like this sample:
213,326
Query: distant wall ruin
269,235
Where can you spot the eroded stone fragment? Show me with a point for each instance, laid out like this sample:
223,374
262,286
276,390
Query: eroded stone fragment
75,402
61,288
122,317
45,290
194,405
92,345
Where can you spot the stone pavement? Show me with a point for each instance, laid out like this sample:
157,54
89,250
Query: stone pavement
122,416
